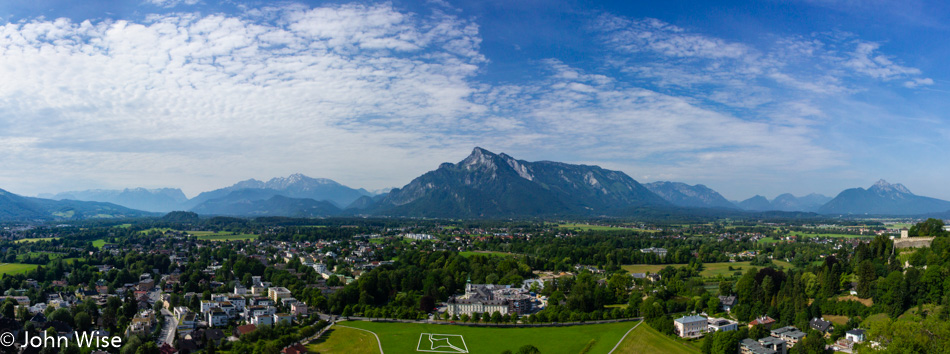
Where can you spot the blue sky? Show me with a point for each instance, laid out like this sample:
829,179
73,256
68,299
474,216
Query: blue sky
758,97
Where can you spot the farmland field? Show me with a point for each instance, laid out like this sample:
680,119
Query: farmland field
711,270
406,337
31,240
15,268
340,339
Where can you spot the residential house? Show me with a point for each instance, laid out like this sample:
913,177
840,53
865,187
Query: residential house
217,318
855,335
764,321
727,302
789,334
820,325
283,318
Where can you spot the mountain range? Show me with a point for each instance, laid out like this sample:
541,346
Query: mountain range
155,200
684,195
785,202
488,185
18,208
883,198
483,185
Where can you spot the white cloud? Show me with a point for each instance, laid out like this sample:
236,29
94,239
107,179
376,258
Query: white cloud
918,82
171,3
217,94
372,96
801,66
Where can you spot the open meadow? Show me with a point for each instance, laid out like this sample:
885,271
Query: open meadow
710,270
31,240
409,337
16,268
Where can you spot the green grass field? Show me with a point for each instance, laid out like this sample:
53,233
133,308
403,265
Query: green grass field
31,240
98,243
767,240
16,268
711,270
339,339
645,339
407,337
210,235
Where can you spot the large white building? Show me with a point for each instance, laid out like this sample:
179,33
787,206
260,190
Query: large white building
690,326
721,325
488,298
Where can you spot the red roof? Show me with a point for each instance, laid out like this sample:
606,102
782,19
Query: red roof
245,329
295,349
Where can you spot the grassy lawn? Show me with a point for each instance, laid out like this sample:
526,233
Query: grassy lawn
98,243
344,340
865,302
648,268
405,337
838,320
767,240
31,240
645,339
467,254
16,268
711,270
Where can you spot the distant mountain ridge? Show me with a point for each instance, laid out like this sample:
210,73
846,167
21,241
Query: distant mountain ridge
296,186
155,200
684,195
276,205
18,208
883,198
785,202
485,184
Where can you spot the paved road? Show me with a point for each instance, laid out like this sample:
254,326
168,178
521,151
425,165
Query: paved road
168,332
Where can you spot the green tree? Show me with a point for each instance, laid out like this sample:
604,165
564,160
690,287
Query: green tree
866,275
813,343
529,349
930,227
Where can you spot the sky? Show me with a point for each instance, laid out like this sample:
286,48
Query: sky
747,97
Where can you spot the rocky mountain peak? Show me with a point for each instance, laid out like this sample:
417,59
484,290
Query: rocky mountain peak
480,158
882,186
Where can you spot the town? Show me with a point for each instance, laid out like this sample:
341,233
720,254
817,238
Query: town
290,285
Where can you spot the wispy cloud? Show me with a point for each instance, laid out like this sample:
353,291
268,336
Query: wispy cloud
372,96
171,3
